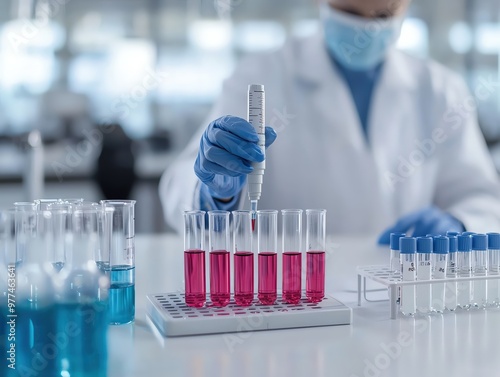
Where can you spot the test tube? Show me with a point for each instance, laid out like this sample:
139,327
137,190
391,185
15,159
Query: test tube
493,268
316,253
194,258
424,268
440,264
25,218
451,272
407,248
122,261
267,246
61,223
219,246
292,255
243,258
394,261
479,268
464,247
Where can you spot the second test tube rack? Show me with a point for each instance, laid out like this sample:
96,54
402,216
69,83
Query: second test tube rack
382,274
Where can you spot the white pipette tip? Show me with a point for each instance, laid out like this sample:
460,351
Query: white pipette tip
253,206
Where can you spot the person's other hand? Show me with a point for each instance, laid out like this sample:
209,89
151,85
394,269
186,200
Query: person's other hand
228,147
430,220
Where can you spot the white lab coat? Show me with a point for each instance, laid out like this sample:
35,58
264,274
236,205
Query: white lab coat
321,158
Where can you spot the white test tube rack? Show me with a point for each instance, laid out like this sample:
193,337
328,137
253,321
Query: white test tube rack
382,274
172,317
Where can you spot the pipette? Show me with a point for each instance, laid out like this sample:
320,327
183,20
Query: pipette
256,110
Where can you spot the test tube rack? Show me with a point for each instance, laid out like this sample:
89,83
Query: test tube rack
172,317
382,274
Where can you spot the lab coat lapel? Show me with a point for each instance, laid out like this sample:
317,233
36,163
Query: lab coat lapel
331,96
390,107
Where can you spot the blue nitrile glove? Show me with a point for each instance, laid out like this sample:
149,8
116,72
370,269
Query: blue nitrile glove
227,149
430,220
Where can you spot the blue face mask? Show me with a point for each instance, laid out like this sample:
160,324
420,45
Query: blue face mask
358,43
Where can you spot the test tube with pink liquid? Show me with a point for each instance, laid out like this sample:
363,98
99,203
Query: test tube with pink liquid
194,258
219,246
243,258
267,246
292,254
316,250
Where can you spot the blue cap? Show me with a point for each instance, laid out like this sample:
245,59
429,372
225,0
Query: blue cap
449,233
493,241
395,240
432,235
464,243
479,242
424,245
441,245
453,243
407,245
468,233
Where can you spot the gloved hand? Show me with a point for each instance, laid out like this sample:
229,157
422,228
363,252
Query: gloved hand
227,149
430,220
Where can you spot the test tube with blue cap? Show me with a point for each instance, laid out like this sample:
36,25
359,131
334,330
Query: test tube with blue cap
394,261
408,248
493,268
424,267
440,259
480,267
464,248
451,272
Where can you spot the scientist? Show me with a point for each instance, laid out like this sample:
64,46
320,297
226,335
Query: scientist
383,140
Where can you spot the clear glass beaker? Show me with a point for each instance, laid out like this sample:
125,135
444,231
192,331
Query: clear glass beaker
194,258
316,252
122,261
243,258
83,299
292,255
35,293
267,247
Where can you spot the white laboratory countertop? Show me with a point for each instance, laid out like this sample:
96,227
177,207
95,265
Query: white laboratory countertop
461,344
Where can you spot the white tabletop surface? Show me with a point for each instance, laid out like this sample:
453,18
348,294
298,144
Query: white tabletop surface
463,344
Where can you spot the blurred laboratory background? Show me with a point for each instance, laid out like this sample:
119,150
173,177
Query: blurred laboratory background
101,95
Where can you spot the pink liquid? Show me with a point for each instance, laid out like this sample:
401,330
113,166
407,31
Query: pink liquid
292,270
243,278
219,278
315,276
267,278
194,277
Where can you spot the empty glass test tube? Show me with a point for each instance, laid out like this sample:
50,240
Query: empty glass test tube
316,254
464,248
424,269
243,258
121,261
292,255
394,261
479,268
219,246
451,272
194,258
493,268
408,247
440,264
267,246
